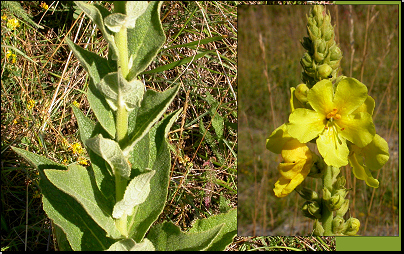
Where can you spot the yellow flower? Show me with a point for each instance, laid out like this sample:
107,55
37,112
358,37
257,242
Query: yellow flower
75,103
13,23
9,55
30,104
336,118
298,160
44,6
4,17
76,148
82,161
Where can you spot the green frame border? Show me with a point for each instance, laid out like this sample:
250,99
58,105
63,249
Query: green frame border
387,243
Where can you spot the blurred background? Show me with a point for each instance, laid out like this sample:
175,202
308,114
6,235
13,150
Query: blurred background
269,52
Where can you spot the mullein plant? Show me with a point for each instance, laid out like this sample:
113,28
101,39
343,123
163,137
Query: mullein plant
335,113
113,203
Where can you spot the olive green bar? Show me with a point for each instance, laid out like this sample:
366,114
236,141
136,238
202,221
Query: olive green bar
371,243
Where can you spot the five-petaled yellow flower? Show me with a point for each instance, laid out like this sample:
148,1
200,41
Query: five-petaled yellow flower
334,119
13,23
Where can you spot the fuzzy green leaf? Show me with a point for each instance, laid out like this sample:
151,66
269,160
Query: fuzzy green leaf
131,245
153,106
110,151
145,40
98,13
65,211
152,152
101,109
227,232
97,67
78,183
169,237
86,126
114,85
115,21
136,193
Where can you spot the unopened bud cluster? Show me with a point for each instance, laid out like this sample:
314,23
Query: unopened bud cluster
334,201
323,56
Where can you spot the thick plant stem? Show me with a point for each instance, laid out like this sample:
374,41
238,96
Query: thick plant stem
326,214
121,123
122,114
120,186
121,40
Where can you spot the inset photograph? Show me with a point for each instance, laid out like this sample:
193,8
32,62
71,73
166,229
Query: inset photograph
318,120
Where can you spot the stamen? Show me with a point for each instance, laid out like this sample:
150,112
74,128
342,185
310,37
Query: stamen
332,113
336,135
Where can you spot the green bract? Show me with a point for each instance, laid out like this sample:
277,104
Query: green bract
333,120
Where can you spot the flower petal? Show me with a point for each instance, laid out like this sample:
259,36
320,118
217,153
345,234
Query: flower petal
305,124
376,153
358,128
285,186
320,97
294,102
367,106
361,172
294,151
290,170
334,153
349,95
277,139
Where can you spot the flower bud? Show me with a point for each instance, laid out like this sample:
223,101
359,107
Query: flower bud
317,13
336,202
336,53
306,43
327,19
312,209
351,226
318,228
340,183
328,33
306,61
343,209
316,170
308,194
326,194
341,192
334,64
338,224
301,93
319,51
313,32
324,71
320,46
